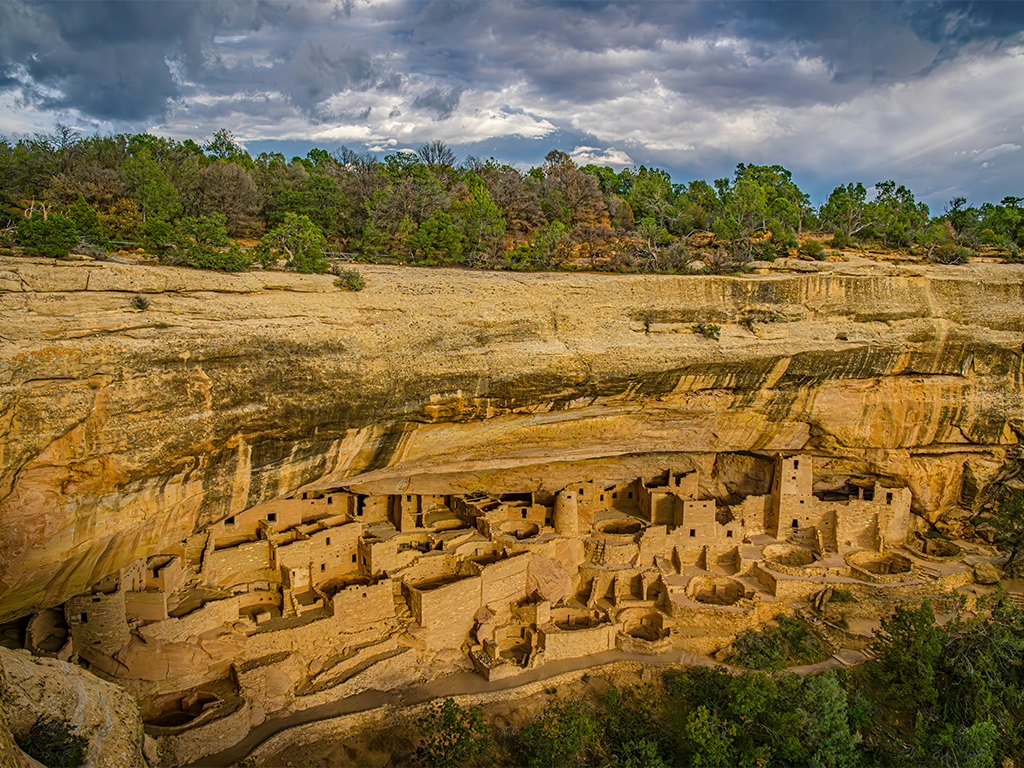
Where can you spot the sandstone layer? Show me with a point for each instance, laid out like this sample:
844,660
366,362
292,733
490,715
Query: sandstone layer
123,431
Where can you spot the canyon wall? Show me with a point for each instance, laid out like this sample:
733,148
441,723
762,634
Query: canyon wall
123,432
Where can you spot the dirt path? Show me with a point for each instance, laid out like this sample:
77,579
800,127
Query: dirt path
463,683
458,684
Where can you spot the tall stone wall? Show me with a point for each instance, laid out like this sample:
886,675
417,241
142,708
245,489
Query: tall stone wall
98,621
359,607
562,644
243,564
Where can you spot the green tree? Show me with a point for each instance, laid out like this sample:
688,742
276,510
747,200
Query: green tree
200,239
709,740
479,220
437,240
561,736
87,222
896,217
300,242
907,647
52,235
639,753
152,191
825,727
846,210
973,746
122,220
1009,527
452,737
224,146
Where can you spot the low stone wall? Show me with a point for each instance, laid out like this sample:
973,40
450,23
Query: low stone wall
630,644
208,739
558,644
210,616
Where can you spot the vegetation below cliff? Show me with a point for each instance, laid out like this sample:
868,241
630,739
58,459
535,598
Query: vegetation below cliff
946,695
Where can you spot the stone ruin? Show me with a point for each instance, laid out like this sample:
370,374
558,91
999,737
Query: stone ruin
280,606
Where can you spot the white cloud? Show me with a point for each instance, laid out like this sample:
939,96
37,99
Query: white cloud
616,158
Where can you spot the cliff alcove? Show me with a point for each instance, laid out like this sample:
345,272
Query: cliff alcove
302,494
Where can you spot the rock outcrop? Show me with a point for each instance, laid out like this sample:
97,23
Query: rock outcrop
122,431
103,713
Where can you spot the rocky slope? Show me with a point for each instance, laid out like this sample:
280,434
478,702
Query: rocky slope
123,431
101,712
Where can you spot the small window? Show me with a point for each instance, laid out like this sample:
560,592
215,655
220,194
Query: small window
364,594
353,558
801,501
524,514
408,498
615,495
581,491
693,533
330,499
728,534
796,523
796,463
272,517
328,541
84,617
96,599
323,567
631,494
602,497
888,498
230,521
305,496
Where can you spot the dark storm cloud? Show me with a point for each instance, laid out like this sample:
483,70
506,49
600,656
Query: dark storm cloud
110,59
439,101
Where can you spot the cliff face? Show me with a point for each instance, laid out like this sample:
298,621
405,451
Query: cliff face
122,431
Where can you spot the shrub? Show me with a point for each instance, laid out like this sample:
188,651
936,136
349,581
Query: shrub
708,330
158,236
52,236
140,302
300,241
348,278
560,736
842,596
51,741
813,249
791,642
234,259
199,240
840,240
951,254
452,737
87,222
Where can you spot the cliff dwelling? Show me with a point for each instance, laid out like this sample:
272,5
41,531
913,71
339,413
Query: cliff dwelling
383,508
280,605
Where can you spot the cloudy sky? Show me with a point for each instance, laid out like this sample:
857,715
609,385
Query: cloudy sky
930,94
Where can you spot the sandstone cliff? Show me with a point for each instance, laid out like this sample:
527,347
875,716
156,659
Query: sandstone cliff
123,431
